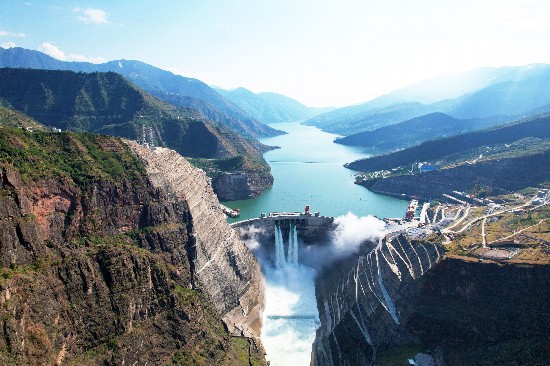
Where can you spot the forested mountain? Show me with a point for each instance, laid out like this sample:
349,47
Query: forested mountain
509,92
415,131
462,147
109,104
175,89
270,107
12,118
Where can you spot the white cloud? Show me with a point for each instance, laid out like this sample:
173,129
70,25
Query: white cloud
8,34
54,51
8,45
89,15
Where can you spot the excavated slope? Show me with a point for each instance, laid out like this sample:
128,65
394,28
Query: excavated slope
223,266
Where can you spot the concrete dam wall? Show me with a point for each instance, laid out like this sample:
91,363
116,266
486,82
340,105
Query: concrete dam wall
311,228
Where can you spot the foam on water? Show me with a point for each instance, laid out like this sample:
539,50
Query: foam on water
290,317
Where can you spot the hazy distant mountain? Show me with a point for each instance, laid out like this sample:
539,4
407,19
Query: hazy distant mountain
415,131
364,117
161,83
511,98
454,85
109,104
508,91
270,107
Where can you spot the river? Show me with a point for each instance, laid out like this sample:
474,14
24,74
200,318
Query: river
308,170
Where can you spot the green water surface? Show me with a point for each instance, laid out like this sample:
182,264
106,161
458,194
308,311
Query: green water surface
308,170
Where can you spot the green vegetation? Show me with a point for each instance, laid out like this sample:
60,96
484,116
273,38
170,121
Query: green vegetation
12,118
526,136
84,158
185,295
107,103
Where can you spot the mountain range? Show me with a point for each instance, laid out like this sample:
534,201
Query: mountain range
455,149
107,103
270,107
417,130
502,93
175,89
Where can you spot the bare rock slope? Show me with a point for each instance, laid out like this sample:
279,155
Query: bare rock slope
222,264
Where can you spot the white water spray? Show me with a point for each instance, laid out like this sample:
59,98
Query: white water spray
290,316
280,260
293,245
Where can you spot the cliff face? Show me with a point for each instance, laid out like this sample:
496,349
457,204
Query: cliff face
485,313
365,301
401,298
97,268
222,265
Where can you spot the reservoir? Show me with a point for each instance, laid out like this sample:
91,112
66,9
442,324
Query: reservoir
308,170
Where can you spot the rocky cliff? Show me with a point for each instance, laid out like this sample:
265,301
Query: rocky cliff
364,301
101,265
484,313
402,298
222,264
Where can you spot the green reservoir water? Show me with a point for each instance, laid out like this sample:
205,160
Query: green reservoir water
308,170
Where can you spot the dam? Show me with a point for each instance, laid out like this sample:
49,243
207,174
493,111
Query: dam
317,290
310,227
283,243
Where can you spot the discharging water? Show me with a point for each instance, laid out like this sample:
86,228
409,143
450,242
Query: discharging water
308,170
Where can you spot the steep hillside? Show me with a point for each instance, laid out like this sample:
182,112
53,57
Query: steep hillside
364,117
109,104
414,131
97,262
458,146
269,107
12,118
489,177
503,92
161,83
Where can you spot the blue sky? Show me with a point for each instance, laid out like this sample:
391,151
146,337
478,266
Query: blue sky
321,52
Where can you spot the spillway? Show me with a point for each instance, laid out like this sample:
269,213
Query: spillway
291,317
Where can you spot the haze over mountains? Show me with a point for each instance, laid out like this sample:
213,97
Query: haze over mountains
416,130
505,93
270,107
